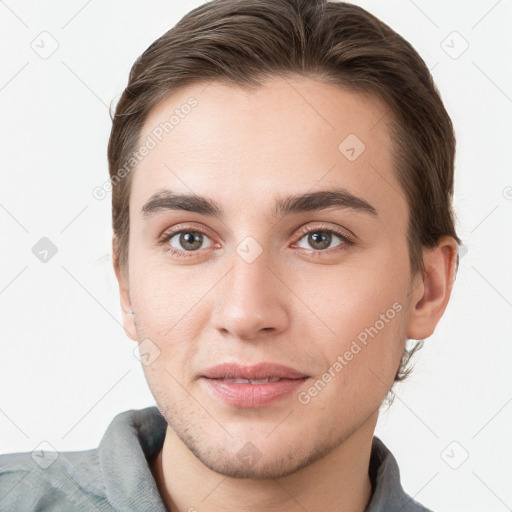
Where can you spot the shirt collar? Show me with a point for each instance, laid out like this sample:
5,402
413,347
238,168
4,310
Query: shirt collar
132,439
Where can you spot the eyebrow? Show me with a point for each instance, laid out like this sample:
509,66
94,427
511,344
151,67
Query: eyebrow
165,200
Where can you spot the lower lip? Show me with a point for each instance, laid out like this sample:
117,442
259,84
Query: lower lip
252,395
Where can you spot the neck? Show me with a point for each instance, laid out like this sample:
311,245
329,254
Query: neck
338,481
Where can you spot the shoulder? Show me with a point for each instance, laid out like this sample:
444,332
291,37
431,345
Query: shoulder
114,476
44,480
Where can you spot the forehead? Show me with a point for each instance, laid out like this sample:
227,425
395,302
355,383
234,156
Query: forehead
290,135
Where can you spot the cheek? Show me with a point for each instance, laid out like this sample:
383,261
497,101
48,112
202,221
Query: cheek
168,300
361,359
363,314
170,312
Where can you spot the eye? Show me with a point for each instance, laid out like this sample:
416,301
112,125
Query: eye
181,242
321,239
188,240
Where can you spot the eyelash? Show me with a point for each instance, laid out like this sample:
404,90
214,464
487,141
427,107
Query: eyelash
347,241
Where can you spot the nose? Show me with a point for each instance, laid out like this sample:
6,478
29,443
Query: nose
251,301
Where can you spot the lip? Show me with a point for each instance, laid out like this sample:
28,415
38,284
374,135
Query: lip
253,372
250,395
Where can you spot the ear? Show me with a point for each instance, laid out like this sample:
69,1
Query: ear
432,291
124,292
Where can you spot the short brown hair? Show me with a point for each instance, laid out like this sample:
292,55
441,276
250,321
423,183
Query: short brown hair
242,42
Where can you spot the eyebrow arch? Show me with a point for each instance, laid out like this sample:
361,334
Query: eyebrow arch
321,200
165,199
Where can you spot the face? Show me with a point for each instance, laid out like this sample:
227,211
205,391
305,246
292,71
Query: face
252,274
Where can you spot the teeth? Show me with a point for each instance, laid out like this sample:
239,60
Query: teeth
259,381
252,381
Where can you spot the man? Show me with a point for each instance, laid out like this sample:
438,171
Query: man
282,176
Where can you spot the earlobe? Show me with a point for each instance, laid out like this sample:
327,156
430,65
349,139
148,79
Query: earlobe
431,296
126,302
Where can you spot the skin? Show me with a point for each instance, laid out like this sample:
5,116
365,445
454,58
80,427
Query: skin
296,304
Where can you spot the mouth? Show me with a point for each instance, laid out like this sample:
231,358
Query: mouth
252,386
261,373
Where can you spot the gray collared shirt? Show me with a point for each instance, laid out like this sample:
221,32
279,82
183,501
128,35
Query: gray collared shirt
116,475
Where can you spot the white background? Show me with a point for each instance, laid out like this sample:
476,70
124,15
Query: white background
66,366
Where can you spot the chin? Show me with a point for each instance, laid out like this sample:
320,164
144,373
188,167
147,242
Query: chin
233,467
260,462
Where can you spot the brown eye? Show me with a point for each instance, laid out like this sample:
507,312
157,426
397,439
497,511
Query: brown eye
320,240
187,240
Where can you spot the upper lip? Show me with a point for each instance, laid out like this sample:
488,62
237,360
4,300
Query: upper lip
252,372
